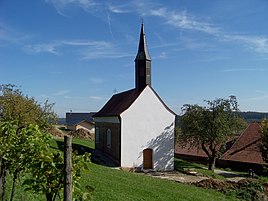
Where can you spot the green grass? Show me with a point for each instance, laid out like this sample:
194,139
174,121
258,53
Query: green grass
78,141
112,184
184,166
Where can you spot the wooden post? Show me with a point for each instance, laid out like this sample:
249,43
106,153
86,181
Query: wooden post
67,168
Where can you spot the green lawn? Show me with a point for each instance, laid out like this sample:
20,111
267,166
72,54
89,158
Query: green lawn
184,166
112,184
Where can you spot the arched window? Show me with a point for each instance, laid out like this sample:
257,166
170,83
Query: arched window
108,136
97,135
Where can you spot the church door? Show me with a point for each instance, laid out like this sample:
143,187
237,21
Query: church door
148,158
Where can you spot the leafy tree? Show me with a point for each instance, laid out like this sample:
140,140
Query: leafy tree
18,113
209,127
264,139
14,105
20,146
48,175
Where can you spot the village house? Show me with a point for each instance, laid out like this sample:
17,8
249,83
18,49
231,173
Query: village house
242,154
135,128
75,121
245,153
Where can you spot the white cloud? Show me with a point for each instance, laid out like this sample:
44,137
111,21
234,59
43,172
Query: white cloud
261,96
182,20
61,92
108,54
258,98
61,4
74,97
118,9
96,97
90,49
256,43
96,80
12,35
243,70
185,21
102,44
41,48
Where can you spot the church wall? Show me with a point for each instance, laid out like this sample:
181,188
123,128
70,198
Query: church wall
114,150
148,124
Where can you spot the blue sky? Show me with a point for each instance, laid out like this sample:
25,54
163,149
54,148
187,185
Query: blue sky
78,53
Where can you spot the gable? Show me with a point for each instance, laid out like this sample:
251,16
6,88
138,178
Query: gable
147,124
148,101
118,103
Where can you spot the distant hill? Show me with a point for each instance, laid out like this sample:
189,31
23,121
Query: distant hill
253,116
248,116
61,121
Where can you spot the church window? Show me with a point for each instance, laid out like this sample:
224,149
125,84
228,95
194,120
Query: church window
97,135
109,139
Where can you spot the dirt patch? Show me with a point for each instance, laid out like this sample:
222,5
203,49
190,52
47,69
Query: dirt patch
176,176
82,133
219,185
55,132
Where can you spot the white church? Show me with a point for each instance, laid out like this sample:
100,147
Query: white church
135,128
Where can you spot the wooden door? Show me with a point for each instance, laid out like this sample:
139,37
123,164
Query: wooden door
148,159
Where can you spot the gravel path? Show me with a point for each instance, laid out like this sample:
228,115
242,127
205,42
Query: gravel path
188,178
230,176
177,176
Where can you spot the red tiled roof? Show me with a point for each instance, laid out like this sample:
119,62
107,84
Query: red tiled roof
189,150
246,148
118,103
122,101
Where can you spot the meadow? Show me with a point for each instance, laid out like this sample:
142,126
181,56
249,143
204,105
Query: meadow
106,183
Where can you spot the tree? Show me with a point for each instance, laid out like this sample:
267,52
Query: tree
14,105
264,139
18,113
20,147
47,173
209,127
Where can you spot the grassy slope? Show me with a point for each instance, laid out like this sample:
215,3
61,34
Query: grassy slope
184,166
111,184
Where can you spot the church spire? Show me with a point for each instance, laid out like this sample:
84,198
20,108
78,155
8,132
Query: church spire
142,64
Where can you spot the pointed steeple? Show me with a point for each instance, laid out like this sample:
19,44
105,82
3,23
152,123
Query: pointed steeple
142,63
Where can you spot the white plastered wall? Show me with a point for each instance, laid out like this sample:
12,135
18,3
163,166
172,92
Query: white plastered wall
147,123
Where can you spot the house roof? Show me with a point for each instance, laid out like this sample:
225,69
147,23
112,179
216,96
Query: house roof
118,103
189,150
122,101
75,118
246,148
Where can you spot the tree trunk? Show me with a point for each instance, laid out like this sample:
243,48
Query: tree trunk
212,162
49,196
3,179
14,185
67,168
